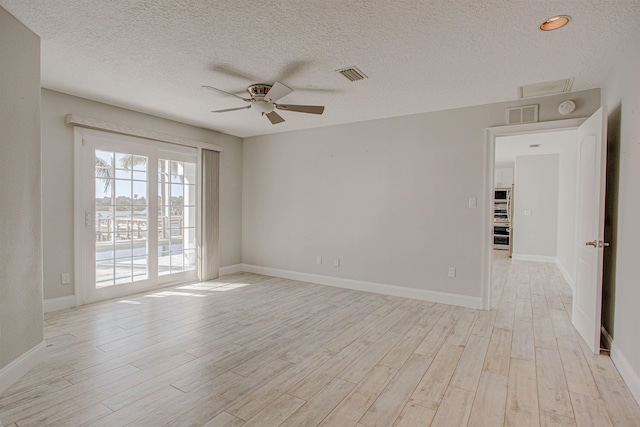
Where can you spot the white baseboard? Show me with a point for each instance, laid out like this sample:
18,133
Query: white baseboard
534,258
378,288
566,275
62,303
23,364
629,375
230,269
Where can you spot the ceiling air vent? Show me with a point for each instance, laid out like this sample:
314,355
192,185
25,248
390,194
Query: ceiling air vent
352,73
524,114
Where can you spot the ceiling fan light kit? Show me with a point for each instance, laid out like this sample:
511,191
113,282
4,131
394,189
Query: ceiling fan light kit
263,100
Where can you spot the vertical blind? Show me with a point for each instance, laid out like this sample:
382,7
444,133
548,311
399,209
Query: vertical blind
210,247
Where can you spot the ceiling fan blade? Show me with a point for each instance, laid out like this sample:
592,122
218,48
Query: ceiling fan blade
274,118
313,109
277,91
292,68
232,109
231,71
228,93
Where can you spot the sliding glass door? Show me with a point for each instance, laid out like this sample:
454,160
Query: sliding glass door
140,215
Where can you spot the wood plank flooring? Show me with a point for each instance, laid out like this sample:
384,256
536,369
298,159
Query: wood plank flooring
249,350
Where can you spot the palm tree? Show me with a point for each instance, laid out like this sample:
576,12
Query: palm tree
103,172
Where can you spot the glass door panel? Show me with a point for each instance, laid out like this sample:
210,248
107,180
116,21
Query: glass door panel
121,218
177,224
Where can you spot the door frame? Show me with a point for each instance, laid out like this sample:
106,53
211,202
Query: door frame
491,134
80,295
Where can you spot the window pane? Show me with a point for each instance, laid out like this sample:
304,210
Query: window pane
141,176
190,195
176,193
164,260
189,238
163,171
189,173
105,250
104,158
123,192
190,260
123,174
176,171
139,193
124,250
140,267
103,191
139,163
176,241
105,272
177,260
189,216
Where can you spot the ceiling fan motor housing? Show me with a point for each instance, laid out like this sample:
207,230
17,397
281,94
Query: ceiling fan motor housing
258,90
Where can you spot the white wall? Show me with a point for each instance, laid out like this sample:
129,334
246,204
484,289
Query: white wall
388,197
621,93
21,324
57,170
536,193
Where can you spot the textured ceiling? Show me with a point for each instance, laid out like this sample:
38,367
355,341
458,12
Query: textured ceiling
421,55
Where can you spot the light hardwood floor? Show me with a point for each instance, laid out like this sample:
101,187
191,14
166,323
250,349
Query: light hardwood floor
250,350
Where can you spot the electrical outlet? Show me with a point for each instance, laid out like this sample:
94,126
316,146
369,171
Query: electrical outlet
452,272
318,260
336,262
65,278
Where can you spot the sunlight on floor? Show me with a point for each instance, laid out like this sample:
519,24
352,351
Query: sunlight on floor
214,286
164,294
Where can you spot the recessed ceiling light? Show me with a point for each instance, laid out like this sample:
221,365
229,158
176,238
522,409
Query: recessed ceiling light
555,23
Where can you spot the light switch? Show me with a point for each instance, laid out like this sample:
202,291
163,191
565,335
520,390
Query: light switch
527,212
473,202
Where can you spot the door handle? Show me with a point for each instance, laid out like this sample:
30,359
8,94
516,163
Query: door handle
594,243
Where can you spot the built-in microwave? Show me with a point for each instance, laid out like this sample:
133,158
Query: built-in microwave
501,195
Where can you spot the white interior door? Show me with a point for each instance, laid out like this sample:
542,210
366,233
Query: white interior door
587,298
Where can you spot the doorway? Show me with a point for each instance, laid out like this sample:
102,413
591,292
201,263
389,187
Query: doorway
540,208
525,134
589,215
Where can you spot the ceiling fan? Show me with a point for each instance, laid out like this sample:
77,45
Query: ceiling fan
263,99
